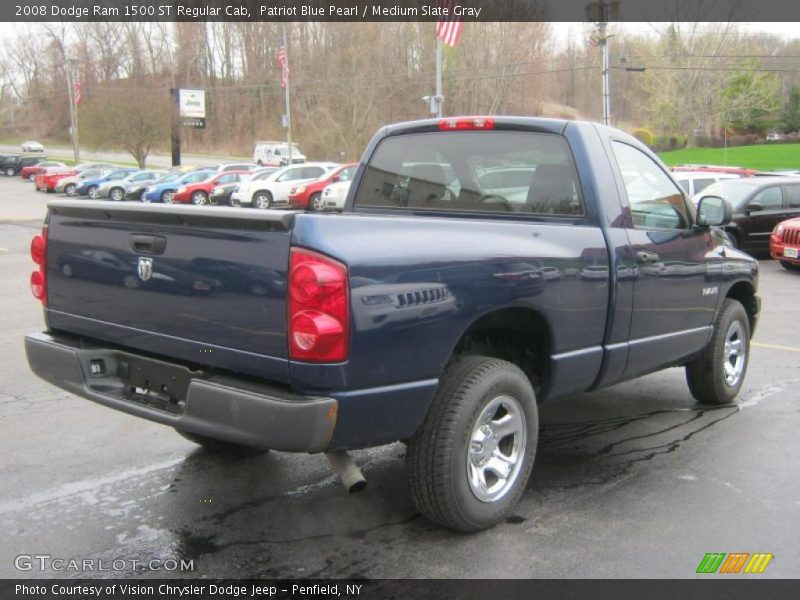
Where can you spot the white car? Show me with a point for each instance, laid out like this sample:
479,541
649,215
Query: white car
334,195
32,146
265,190
694,183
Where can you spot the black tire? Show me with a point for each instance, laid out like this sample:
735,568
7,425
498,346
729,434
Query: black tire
233,201
439,454
789,266
118,192
315,202
216,445
92,192
166,196
142,198
69,190
706,375
262,200
199,198
10,171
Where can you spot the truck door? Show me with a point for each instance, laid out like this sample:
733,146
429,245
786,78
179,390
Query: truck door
676,283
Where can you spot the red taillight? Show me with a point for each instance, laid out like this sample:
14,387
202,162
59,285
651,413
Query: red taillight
318,308
39,256
466,123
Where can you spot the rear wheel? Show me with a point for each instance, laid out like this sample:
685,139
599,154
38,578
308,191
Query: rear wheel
216,445
143,197
166,197
117,194
717,375
199,198
790,266
92,192
469,463
69,190
9,171
233,201
262,200
31,177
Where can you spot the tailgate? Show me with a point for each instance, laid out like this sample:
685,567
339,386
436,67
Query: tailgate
201,284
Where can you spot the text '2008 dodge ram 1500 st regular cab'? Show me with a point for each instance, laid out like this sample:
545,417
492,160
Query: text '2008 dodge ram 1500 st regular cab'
482,266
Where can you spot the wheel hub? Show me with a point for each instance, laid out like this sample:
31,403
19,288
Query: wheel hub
496,449
735,354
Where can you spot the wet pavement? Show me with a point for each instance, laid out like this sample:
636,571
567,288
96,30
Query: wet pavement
633,481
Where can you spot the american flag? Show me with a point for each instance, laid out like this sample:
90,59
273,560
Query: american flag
283,64
76,87
449,30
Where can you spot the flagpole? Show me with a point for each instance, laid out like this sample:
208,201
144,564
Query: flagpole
438,97
288,101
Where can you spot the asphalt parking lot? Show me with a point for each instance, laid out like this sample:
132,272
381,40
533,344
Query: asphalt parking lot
633,481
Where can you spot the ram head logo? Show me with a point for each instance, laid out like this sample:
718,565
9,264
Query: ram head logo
145,268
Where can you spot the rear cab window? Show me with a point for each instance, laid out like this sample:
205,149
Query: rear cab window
485,171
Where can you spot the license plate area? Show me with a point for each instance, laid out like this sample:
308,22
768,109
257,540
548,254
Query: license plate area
790,252
154,384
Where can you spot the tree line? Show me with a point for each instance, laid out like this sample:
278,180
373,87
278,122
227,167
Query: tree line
349,79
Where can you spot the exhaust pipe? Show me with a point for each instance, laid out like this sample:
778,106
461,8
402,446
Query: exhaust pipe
349,474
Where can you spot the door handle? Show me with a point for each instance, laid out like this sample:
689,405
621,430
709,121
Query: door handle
646,257
148,244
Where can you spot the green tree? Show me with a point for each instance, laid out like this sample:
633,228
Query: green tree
790,118
750,98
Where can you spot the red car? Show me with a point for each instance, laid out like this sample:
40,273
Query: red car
309,195
198,193
47,180
741,171
784,244
32,171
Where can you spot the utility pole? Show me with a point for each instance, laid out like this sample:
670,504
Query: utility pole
288,95
438,99
601,13
71,66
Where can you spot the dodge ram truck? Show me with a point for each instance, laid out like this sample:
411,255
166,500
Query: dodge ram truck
482,266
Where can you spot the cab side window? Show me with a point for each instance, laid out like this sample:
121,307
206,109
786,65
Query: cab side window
793,195
655,201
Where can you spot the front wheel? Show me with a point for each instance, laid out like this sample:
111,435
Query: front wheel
199,198
717,375
31,177
262,200
92,192
117,194
316,202
70,189
470,462
9,171
166,197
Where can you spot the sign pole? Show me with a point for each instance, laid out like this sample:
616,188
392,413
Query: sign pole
73,109
288,96
176,127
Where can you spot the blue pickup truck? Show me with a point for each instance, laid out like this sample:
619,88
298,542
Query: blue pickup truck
482,267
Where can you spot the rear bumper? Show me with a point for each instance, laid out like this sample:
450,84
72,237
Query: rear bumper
229,409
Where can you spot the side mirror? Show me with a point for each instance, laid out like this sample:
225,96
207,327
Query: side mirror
755,207
335,178
713,211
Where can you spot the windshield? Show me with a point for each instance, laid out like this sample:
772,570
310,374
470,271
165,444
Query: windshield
498,171
733,190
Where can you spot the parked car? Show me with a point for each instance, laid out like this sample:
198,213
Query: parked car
309,195
31,171
268,190
32,146
695,182
47,182
221,193
784,244
775,136
237,167
12,165
334,195
66,185
276,154
163,190
90,187
117,189
135,190
759,204
199,192
740,171
419,314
